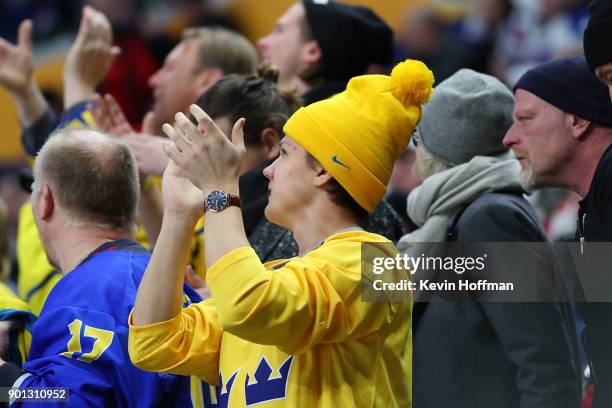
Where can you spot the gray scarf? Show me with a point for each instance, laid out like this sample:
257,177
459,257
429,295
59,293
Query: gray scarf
433,203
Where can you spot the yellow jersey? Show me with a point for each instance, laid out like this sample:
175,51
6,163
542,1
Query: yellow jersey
289,333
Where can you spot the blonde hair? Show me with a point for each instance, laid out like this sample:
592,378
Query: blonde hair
427,164
220,48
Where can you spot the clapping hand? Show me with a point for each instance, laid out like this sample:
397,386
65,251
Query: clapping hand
181,198
204,153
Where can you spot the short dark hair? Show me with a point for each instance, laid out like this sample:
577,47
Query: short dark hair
253,97
93,177
341,197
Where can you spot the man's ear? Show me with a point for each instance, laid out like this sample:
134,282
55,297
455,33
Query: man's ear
311,52
579,126
323,177
46,203
270,141
207,78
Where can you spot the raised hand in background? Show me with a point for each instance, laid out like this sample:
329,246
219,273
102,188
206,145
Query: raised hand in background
89,58
16,69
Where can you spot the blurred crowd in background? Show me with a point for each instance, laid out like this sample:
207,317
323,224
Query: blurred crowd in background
503,38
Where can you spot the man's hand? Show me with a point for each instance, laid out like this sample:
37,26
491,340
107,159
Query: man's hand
181,197
16,62
16,67
108,116
149,153
208,158
147,148
89,58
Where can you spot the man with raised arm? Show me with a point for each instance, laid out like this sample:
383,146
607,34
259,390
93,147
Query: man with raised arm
292,332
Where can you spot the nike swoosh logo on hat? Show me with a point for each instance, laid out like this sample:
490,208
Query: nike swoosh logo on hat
335,160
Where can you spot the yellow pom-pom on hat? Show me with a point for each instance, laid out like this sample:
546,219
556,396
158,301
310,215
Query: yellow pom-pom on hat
412,82
358,134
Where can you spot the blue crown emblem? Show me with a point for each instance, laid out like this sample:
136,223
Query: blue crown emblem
266,388
223,397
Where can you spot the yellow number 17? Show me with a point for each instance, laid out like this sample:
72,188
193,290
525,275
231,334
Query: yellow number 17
104,338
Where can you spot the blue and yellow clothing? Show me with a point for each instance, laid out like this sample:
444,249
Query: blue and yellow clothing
36,276
34,136
80,340
11,307
288,333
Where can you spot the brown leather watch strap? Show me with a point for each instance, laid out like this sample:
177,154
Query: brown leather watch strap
234,200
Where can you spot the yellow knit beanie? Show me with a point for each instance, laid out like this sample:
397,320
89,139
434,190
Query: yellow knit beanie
358,134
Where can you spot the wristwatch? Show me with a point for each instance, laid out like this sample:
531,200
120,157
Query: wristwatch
219,200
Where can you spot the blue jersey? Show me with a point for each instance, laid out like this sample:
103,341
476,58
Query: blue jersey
80,340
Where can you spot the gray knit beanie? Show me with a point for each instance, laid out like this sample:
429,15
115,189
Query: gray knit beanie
468,115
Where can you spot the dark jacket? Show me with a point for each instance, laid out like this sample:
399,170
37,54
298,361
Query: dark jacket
472,354
272,242
595,225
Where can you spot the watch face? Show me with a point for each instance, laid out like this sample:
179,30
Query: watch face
216,201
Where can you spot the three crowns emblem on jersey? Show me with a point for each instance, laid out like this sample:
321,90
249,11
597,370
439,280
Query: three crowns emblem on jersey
262,388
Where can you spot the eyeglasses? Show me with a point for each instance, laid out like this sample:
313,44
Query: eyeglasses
416,137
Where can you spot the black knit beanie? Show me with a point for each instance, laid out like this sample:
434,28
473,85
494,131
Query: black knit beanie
597,49
350,37
569,84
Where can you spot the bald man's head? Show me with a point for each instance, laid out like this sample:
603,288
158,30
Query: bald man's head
93,177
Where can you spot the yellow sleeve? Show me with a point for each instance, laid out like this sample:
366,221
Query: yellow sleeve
308,301
9,300
187,344
198,255
36,276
